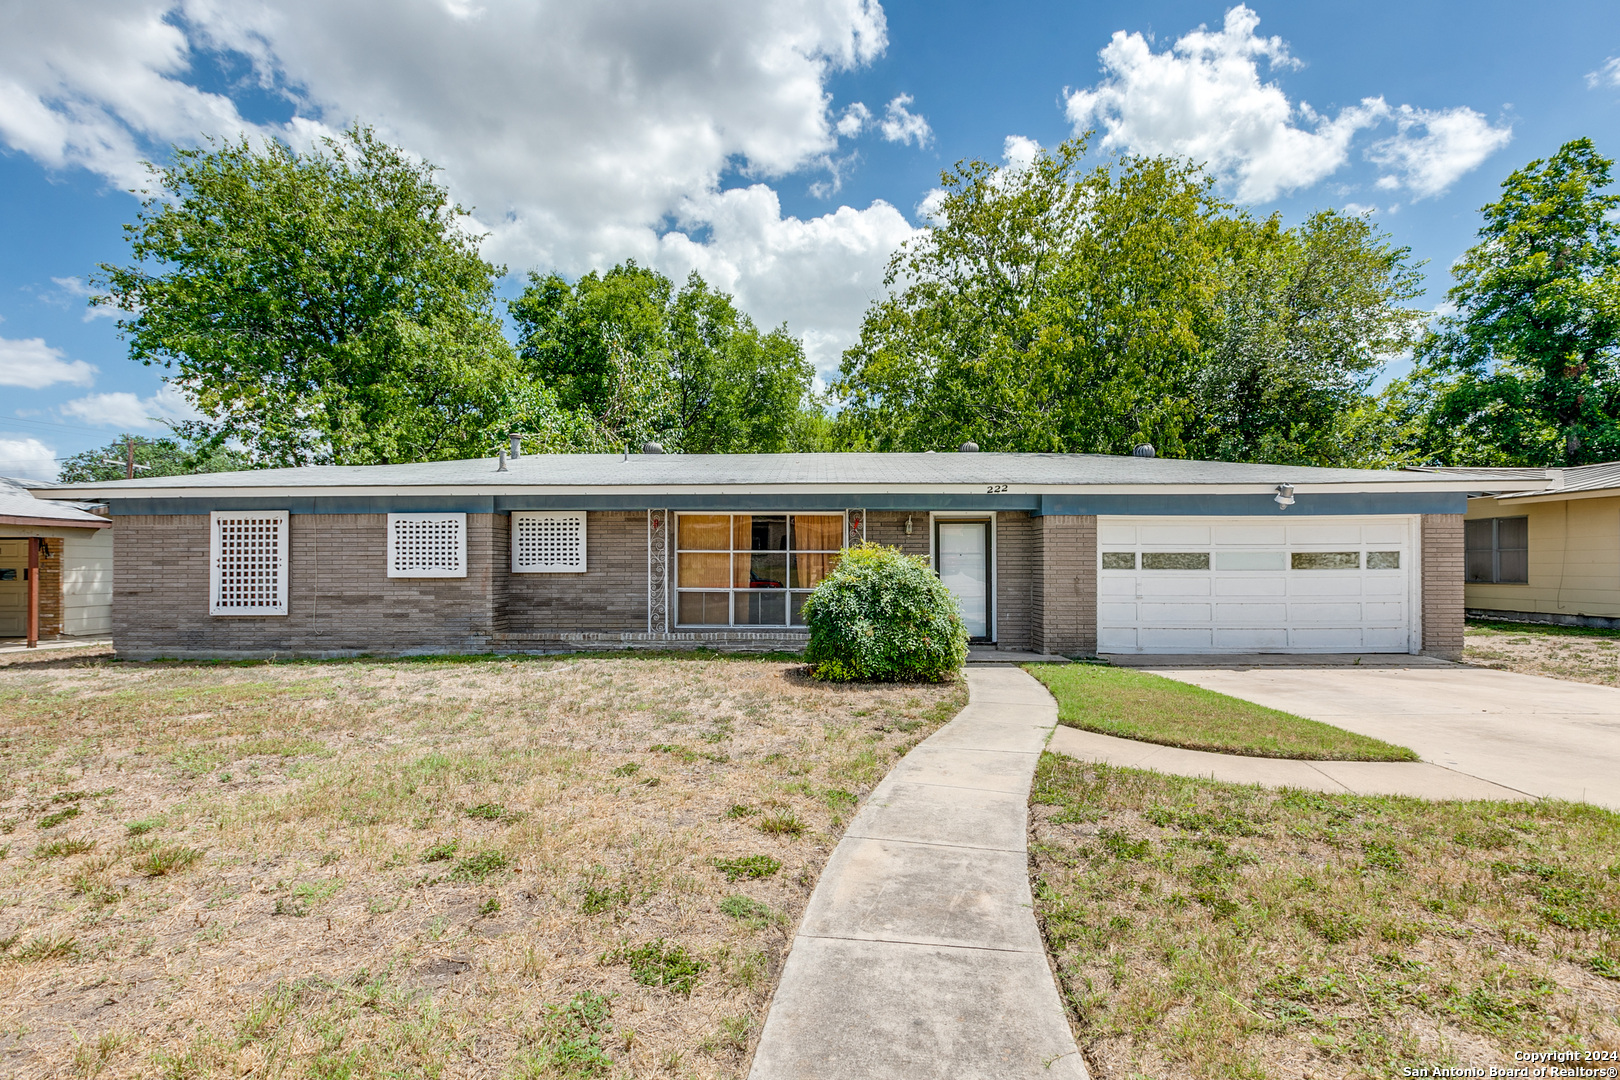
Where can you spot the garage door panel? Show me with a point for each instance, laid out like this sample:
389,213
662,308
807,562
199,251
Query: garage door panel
1251,614
1252,593
1251,585
1174,614
1250,638
1325,639
1250,534
1180,585
1189,639
1324,613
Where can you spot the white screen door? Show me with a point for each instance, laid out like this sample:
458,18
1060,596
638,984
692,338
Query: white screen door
964,567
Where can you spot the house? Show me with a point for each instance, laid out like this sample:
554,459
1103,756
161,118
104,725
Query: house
1550,556
1072,554
55,565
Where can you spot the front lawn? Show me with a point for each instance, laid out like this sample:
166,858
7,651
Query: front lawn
1212,930
558,867
1151,708
1576,653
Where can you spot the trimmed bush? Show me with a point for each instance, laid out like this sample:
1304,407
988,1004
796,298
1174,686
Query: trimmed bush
885,617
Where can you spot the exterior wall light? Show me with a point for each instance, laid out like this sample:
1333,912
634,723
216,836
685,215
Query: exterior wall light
1285,496
908,524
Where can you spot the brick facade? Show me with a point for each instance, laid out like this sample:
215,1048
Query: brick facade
1016,561
50,589
1064,595
610,597
1443,585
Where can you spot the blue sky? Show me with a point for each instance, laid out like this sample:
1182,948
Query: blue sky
782,150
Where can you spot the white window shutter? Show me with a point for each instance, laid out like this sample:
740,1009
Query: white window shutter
247,556
548,542
427,545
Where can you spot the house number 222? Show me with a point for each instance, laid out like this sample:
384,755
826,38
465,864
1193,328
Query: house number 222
996,489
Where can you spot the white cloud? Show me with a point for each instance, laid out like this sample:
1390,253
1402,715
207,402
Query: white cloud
26,458
34,365
1607,75
1452,142
74,288
901,125
854,120
1019,152
1204,97
577,131
127,412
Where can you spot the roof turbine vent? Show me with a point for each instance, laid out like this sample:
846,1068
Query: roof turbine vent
970,447
651,448
1145,450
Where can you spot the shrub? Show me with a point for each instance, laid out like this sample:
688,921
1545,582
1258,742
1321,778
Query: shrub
885,617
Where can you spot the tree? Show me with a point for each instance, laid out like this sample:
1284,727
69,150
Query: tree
1054,307
153,457
317,307
644,361
1526,369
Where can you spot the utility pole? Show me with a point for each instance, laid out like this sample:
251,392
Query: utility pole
129,445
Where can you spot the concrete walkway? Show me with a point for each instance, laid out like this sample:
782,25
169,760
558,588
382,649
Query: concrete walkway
1419,779
20,645
1547,737
918,956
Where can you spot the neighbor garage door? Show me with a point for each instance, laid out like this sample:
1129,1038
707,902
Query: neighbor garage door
1175,585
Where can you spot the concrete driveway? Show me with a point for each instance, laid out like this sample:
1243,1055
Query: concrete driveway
1544,737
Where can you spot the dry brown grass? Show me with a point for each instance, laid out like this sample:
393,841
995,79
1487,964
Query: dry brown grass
252,885
1211,930
1559,652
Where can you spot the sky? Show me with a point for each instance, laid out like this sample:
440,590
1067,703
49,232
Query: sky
784,150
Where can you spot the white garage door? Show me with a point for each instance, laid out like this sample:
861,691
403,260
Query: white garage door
1179,585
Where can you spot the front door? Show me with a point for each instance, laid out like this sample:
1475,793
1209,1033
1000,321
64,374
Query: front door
13,588
964,566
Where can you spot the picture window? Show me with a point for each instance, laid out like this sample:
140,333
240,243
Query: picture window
751,569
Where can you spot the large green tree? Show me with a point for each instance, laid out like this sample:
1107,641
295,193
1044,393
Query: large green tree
1526,369
646,361
1061,307
328,306
153,457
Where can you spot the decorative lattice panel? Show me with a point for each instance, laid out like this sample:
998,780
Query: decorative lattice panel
548,542
248,563
857,526
657,571
427,545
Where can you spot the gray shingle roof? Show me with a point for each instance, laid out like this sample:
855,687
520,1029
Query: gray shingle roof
877,471
1599,477
17,501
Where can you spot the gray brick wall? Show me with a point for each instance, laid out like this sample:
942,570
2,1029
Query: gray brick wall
610,597
1443,585
1016,563
889,527
1064,606
340,597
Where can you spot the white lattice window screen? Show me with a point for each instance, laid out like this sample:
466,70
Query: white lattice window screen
248,563
427,545
548,542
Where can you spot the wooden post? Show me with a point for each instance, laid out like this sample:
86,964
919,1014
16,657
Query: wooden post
33,592
129,447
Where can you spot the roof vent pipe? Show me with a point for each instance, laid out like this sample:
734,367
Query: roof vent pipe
1145,450
500,462
970,447
517,447
651,448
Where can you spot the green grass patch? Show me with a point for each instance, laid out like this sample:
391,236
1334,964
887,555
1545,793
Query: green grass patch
56,849
658,963
479,866
163,861
749,866
1495,626
754,914
1222,930
67,813
1150,708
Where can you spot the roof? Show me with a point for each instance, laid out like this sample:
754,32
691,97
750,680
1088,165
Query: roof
928,471
19,506
1604,476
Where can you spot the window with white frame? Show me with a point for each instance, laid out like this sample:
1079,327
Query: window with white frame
548,542
751,569
247,556
427,545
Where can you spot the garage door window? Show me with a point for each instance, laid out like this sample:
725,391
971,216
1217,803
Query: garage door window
1383,560
1326,560
1498,550
1119,560
1175,560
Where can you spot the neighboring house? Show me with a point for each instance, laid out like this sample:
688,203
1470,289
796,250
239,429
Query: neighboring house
1071,554
55,565
1551,556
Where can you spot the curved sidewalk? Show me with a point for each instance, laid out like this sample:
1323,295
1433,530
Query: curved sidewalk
918,955
1420,779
